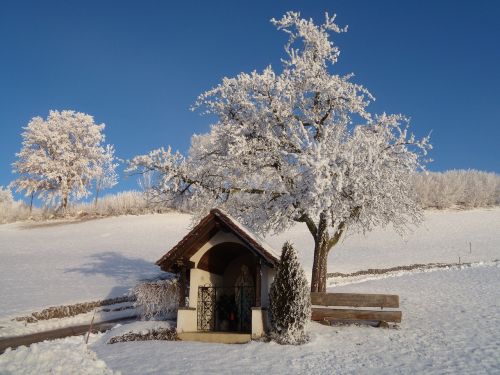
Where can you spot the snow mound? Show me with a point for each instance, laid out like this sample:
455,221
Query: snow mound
65,356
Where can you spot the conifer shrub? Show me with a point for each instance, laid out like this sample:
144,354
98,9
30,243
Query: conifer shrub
290,300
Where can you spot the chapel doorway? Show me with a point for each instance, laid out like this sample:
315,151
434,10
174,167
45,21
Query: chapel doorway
228,307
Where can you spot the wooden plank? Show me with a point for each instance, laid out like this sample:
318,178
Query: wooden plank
325,313
355,299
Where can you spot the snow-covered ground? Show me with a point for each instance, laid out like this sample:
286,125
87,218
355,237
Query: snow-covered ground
12,328
451,317
64,263
51,264
58,357
450,325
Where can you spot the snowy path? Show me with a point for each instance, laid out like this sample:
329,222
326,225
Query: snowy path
59,264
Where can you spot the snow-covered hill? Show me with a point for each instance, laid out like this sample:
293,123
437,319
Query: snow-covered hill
61,263
451,317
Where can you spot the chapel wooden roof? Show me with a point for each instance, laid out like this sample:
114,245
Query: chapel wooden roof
216,220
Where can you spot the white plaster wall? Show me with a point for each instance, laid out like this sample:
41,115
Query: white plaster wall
187,318
259,322
267,279
201,278
186,321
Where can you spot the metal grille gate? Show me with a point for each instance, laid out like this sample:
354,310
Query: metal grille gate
225,308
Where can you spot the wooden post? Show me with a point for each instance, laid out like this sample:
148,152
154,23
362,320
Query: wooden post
90,327
258,283
182,287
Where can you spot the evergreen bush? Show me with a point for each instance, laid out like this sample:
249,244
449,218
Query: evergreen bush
290,300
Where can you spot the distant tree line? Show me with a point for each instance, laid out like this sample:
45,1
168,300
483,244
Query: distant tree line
457,189
460,189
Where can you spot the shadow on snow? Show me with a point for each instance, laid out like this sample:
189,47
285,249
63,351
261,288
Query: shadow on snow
126,271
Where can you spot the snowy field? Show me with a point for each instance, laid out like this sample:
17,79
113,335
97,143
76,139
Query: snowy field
451,317
453,328
51,264
450,325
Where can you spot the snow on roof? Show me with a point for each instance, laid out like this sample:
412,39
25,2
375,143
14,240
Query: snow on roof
202,232
258,239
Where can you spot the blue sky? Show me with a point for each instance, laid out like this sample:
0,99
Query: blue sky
137,66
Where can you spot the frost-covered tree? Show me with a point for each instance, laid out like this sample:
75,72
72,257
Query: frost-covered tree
289,300
10,209
60,156
107,178
6,197
297,146
457,188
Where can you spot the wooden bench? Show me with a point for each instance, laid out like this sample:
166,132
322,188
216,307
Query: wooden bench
346,314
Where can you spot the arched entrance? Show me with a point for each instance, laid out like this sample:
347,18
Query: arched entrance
228,305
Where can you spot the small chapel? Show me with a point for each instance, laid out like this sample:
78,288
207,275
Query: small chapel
225,274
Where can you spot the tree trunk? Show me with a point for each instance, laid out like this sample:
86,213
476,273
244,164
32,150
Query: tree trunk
31,201
64,201
96,196
65,190
318,279
322,245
